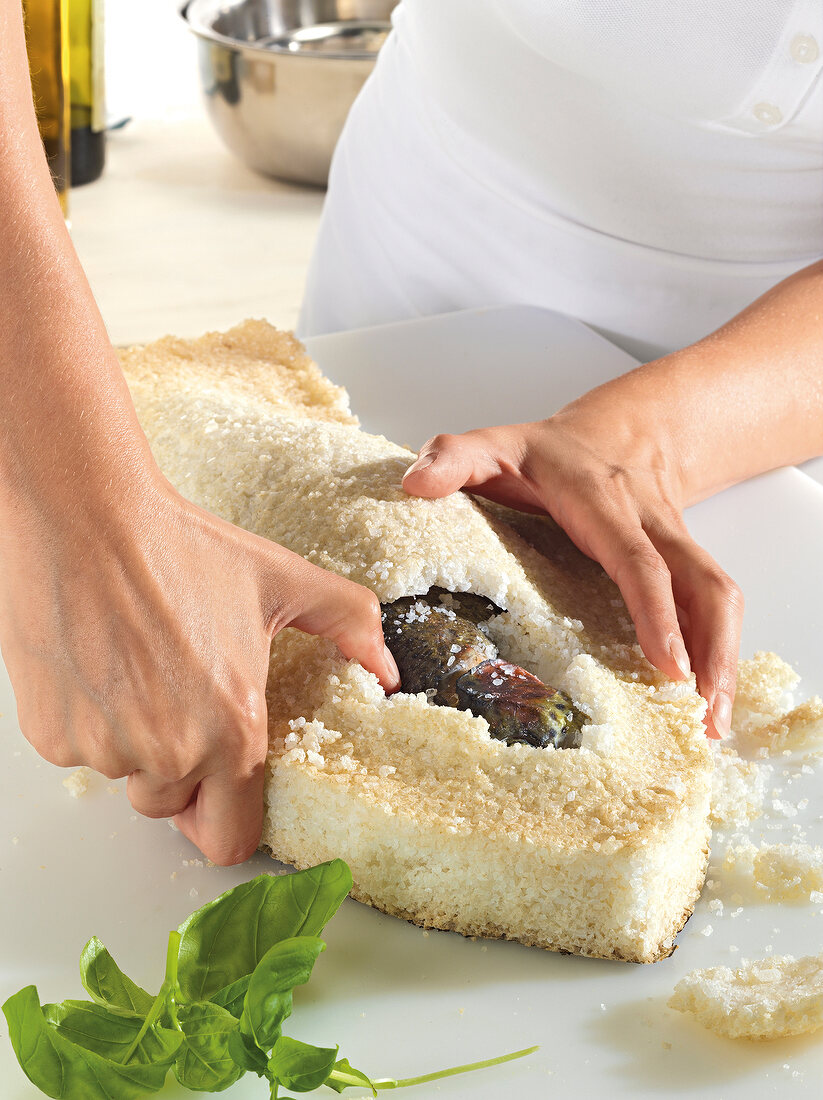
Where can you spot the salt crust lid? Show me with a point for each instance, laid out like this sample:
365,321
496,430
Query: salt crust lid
244,424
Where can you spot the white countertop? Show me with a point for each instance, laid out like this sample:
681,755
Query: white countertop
397,999
177,236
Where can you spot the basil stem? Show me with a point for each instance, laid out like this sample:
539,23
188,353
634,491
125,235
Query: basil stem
165,998
343,1078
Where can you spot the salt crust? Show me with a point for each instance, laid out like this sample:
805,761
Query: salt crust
762,999
600,850
738,787
788,872
77,783
764,716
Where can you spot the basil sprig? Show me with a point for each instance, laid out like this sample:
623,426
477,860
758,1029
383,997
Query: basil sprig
231,968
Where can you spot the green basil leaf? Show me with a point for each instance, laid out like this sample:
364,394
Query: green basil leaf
203,1062
69,1050
224,940
103,979
246,1053
268,999
300,1066
231,997
356,1077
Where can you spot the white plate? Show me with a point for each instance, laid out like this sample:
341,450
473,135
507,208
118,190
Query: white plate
397,1000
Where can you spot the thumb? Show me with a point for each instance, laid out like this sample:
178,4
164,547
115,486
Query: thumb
349,615
448,463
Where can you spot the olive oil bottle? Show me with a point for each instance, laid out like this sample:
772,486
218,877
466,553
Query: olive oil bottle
88,123
47,42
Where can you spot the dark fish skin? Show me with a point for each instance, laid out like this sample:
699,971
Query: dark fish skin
519,707
434,651
439,648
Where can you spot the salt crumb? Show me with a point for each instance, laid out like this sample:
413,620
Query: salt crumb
78,782
194,892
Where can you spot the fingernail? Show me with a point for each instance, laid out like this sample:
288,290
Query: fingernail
391,664
722,714
420,464
679,655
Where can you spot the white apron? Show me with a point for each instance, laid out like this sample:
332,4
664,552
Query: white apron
647,167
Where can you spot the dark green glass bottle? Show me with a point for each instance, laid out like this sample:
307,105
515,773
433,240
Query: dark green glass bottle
88,123
47,46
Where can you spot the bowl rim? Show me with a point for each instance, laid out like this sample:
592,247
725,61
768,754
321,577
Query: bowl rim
209,34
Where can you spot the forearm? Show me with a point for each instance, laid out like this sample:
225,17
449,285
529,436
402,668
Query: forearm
67,411
745,399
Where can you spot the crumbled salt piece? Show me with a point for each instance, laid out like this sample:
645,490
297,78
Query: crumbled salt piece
816,896
787,809
734,948
807,770
454,649
112,788
16,840
78,782
802,804
716,906
194,892
173,875
602,1007
707,931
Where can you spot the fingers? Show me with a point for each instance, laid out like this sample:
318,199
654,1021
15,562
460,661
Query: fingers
713,622
659,571
685,609
155,797
225,816
448,463
346,613
645,582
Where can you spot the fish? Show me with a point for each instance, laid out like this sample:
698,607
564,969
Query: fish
440,648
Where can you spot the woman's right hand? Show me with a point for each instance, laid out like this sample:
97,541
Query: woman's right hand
136,633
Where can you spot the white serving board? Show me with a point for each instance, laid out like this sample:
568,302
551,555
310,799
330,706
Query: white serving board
397,1000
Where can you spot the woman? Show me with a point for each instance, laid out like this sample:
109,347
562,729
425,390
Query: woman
651,169
128,648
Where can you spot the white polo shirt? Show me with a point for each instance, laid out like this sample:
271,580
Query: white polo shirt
648,167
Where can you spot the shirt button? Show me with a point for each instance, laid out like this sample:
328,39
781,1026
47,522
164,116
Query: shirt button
767,113
804,49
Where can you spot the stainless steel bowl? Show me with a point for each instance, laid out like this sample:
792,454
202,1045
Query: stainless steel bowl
279,76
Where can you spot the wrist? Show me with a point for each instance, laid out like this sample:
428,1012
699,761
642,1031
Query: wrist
632,422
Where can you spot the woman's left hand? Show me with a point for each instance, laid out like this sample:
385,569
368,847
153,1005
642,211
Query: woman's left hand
618,496
617,467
